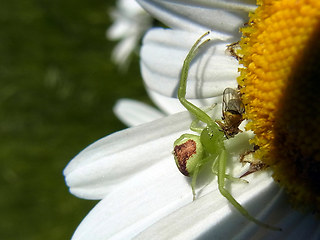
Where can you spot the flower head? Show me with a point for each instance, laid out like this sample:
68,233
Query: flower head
279,89
133,172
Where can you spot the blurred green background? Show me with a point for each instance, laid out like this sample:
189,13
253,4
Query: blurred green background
57,91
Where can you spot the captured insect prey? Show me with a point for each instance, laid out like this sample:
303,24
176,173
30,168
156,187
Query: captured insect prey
232,110
206,147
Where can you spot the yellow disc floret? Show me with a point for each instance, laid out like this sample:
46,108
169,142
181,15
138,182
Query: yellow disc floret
279,86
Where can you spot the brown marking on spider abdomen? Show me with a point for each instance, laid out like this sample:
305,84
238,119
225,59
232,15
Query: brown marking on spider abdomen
182,153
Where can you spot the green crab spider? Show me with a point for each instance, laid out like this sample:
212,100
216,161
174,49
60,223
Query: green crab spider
192,151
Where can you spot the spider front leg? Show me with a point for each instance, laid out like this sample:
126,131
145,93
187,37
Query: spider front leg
195,126
197,112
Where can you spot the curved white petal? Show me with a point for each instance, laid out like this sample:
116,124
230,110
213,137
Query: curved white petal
133,113
210,218
123,49
121,28
157,204
126,211
193,15
115,159
162,56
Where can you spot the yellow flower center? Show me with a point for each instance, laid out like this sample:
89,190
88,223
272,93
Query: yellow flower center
279,86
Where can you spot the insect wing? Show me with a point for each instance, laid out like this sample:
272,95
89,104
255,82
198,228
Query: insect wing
232,102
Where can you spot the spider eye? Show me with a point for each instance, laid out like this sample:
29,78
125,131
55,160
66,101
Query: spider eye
188,153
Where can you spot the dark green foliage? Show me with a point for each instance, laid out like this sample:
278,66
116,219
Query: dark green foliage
57,90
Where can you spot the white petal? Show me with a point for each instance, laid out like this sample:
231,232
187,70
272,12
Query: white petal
162,56
211,218
134,206
123,49
133,113
119,29
115,159
157,204
220,15
211,214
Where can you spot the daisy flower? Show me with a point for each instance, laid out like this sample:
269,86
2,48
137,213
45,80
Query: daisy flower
130,23
133,172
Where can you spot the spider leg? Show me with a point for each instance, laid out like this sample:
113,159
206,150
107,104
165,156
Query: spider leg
195,123
221,184
194,110
196,172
